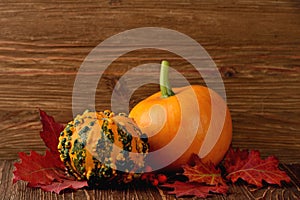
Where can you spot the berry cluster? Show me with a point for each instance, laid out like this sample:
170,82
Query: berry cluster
154,179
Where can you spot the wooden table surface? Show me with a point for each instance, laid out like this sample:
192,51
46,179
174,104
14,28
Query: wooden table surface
136,191
255,44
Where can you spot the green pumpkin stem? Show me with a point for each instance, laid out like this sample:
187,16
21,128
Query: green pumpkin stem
165,88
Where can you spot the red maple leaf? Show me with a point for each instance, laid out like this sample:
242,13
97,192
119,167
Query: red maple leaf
46,171
57,187
232,157
195,189
203,180
251,168
50,132
39,169
203,172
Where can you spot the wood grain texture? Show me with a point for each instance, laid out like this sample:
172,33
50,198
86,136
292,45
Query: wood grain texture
9,191
255,44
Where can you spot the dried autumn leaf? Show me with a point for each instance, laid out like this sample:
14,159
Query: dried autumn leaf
57,187
38,169
203,172
252,169
234,156
50,132
195,189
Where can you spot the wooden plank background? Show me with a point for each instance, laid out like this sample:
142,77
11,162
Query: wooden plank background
255,44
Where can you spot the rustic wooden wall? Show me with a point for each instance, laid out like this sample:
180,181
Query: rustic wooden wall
255,44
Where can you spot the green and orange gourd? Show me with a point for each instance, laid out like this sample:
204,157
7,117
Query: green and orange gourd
95,146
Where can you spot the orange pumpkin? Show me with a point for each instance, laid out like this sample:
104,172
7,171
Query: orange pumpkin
168,112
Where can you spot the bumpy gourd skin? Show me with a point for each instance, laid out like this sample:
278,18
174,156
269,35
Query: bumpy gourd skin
96,145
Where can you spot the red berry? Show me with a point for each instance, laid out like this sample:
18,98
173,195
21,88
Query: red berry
154,182
144,177
162,178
